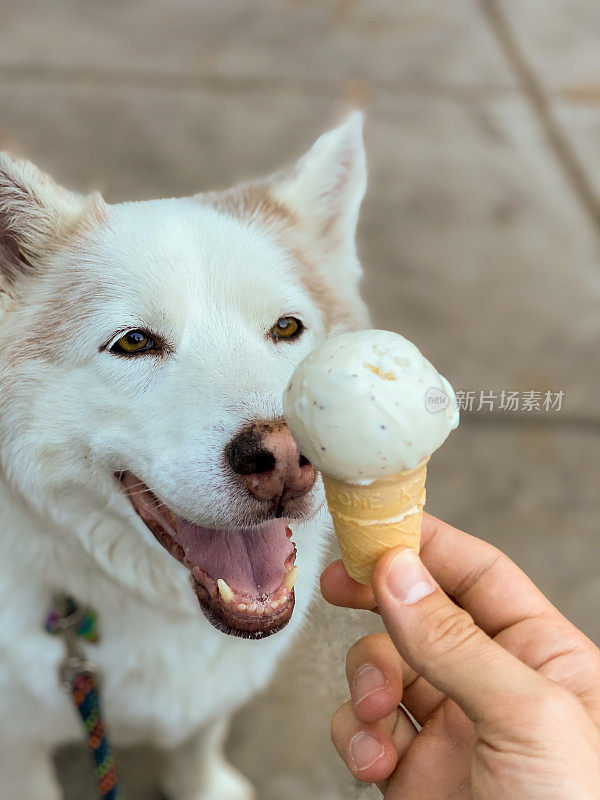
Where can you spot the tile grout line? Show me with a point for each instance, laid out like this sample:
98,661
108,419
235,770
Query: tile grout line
189,81
538,98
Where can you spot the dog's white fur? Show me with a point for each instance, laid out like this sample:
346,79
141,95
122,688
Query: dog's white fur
211,274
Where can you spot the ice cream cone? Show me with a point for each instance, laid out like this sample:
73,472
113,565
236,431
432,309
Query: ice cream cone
370,519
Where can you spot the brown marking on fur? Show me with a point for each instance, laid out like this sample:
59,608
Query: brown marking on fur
23,222
252,202
327,228
11,255
256,203
63,314
94,214
58,322
37,218
336,311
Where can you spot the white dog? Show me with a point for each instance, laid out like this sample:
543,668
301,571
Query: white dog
145,468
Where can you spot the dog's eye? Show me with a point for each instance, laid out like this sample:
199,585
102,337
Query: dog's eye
133,342
287,328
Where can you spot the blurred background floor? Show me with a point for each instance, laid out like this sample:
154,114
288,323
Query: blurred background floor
479,237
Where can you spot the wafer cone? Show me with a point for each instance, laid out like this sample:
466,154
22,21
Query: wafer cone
371,519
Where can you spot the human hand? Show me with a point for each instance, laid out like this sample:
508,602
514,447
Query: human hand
507,690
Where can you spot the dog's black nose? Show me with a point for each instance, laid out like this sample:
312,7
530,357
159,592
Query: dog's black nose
268,458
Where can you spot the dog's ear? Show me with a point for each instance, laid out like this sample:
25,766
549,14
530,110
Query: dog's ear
326,187
34,214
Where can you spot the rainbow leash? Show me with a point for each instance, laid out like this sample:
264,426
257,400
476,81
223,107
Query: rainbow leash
79,677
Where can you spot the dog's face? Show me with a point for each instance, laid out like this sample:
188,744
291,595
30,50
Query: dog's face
144,348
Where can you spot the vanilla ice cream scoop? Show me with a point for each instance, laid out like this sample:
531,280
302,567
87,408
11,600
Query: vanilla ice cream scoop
366,405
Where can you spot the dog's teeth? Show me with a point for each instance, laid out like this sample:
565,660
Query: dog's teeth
241,606
224,590
252,607
290,578
274,603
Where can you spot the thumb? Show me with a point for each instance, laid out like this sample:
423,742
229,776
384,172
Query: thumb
441,642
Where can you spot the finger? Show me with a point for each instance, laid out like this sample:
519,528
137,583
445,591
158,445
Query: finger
376,676
370,750
404,734
560,652
441,642
339,589
472,571
477,575
380,680
438,763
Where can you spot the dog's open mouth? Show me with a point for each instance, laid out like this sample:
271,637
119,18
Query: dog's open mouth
243,578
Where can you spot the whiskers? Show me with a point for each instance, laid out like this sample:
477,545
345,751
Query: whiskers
156,503
132,491
138,489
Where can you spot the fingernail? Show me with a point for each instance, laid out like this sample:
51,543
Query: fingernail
368,679
365,750
407,579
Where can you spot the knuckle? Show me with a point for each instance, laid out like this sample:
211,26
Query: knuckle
493,559
449,629
549,706
367,644
372,641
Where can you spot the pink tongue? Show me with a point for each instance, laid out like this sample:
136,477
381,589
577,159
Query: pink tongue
250,560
